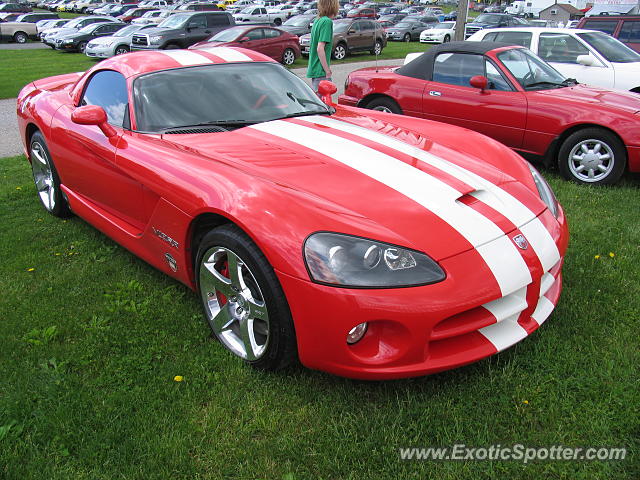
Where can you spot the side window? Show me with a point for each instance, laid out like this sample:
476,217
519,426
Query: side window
271,33
108,89
630,32
516,38
490,37
608,26
496,80
561,48
217,20
198,21
457,68
255,34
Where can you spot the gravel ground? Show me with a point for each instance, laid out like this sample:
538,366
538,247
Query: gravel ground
10,144
22,46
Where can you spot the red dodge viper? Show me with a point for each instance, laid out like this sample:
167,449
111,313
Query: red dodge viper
365,244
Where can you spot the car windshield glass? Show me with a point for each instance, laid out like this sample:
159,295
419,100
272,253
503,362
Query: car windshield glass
200,95
89,28
298,21
227,35
488,19
530,71
610,48
74,23
403,25
123,32
340,27
444,26
175,21
247,10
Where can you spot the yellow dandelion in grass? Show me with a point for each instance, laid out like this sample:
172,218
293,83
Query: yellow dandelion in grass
597,257
30,269
526,402
611,254
177,378
18,188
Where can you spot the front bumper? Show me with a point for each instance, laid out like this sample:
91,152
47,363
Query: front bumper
99,51
422,330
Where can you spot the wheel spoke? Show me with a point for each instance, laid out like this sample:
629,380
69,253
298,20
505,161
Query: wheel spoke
580,168
51,198
223,319
36,152
605,156
235,271
602,168
597,147
247,336
258,310
584,148
213,280
591,173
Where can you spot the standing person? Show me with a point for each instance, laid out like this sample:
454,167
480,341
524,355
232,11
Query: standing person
322,43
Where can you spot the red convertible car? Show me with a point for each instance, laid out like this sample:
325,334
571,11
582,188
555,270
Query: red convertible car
511,95
371,246
272,42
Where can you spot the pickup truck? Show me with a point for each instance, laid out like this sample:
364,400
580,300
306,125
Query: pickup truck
18,32
257,14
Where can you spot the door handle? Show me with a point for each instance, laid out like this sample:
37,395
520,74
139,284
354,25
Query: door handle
433,93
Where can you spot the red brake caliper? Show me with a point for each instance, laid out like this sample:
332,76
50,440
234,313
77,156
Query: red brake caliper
222,299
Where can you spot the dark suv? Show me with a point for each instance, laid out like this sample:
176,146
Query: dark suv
182,30
352,35
625,28
493,20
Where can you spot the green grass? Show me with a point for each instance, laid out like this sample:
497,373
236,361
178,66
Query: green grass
20,67
92,338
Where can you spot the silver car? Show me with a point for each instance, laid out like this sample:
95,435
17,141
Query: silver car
116,44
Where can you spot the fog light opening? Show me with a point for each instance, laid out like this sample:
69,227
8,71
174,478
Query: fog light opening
356,333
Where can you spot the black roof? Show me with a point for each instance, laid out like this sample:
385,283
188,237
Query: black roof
422,67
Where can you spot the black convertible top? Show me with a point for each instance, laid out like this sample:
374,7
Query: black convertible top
422,67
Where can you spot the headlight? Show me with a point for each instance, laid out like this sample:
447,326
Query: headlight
347,261
546,194
69,40
155,39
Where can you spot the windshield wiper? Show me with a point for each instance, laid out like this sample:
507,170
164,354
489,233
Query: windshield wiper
538,84
331,111
570,81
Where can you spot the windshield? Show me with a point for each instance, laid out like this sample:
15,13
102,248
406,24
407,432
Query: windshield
175,21
247,10
89,28
488,19
610,48
201,95
444,26
151,13
298,21
403,25
129,11
123,32
74,23
339,27
227,35
530,71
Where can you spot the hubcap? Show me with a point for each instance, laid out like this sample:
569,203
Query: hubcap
43,176
591,160
289,57
382,108
378,48
234,303
340,53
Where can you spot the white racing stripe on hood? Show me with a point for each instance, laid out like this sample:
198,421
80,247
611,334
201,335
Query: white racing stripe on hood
498,199
186,57
228,54
502,257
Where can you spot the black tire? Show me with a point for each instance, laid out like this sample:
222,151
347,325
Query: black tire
288,56
277,22
84,10
339,52
377,48
46,179
446,39
384,104
581,158
122,49
82,46
279,348
20,37
172,46
407,37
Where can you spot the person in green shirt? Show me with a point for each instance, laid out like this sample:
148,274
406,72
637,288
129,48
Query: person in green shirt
322,43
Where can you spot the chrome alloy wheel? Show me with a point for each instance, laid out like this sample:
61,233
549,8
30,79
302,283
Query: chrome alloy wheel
382,108
234,303
43,176
289,57
591,160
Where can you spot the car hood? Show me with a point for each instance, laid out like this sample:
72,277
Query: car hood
60,30
596,96
157,31
109,39
319,158
294,30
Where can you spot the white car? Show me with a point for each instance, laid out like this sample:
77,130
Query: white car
116,44
152,16
589,56
441,33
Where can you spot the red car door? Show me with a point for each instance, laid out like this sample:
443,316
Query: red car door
253,40
90,156
273,43
500,111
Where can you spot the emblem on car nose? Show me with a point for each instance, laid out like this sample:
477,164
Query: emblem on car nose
521,242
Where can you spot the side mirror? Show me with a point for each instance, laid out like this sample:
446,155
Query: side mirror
326,89
353,30
93,115
586,60
480,82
